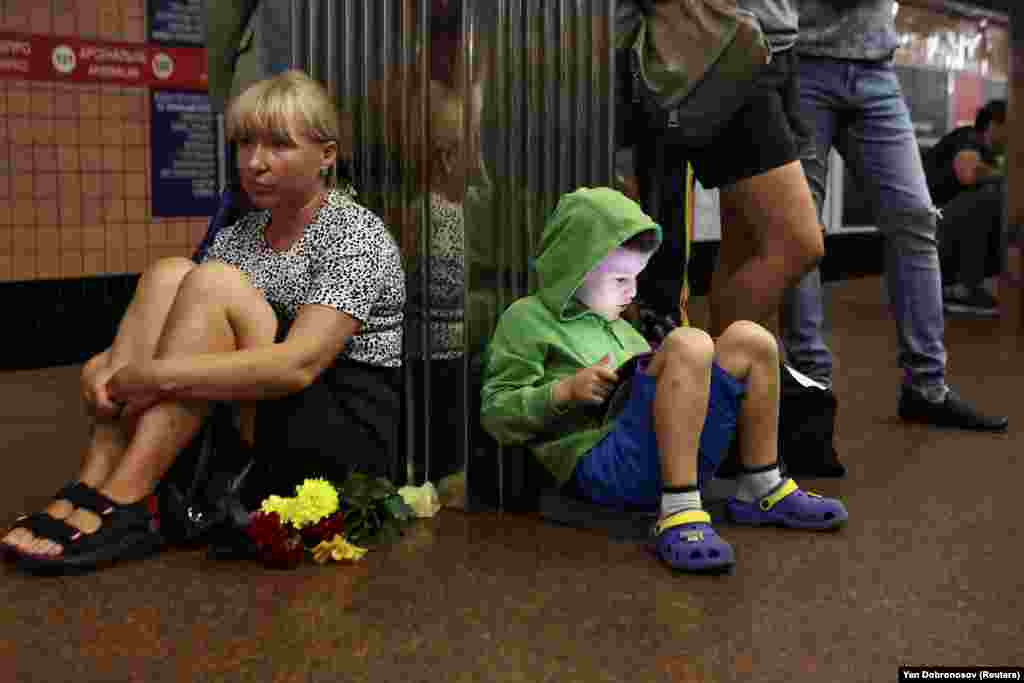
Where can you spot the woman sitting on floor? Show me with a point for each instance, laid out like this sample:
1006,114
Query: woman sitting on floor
294,314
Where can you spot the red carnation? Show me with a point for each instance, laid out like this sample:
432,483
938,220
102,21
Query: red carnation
325,529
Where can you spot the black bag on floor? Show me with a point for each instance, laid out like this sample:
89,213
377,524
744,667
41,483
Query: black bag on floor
200,496
807,418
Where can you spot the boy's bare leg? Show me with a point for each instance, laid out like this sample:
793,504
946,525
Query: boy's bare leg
217,310
136,339
683,370
749,352
771,237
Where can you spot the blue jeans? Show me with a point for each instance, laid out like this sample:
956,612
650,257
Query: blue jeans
857,107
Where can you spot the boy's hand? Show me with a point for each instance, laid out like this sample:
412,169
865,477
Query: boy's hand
591,385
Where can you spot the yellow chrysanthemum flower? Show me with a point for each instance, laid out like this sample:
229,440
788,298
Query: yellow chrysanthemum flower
339,550
314,500
282,506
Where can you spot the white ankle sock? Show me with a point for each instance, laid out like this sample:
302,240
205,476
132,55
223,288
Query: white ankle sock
752,486
679,501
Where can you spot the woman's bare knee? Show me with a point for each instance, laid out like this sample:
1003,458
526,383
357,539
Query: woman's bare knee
216,283
167,272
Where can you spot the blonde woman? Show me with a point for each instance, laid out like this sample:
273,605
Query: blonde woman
294,313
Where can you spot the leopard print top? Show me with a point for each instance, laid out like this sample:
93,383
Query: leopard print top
346,259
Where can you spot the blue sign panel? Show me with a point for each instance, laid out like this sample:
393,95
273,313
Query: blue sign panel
176,22
184,154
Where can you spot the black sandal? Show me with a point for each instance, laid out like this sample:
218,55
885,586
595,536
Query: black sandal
127,532
41,524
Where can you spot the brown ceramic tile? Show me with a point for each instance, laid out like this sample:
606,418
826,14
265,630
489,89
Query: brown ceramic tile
115,236
110,25
135,158
3,101
113,185
133,9
41,19
112,133
42,131
92,184
45,186
23,186
94,263
23,266
122,261
19,130
136,236
6,213
88,105
19,103
6,239
135,134
91,159
16,21
114,210
71,210
45,157
23,239
136,105
48,264
65,132
65,104
89,131
5,267
133,261
136,210
24,214
71,238
157,234
47,213
136,185
72,264
93,212
111,105
42,103
65,25
135,30
22,159
67,157
48,240
114,159
94,237
5,187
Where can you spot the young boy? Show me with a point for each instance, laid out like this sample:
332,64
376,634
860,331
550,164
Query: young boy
552,358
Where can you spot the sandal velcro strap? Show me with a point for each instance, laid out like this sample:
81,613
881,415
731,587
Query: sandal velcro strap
680,518
781,491
49,528
91,499
71,492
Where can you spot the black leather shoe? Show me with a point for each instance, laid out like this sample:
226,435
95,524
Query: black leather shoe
953,411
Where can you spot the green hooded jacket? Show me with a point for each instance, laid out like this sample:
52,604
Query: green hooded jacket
549,335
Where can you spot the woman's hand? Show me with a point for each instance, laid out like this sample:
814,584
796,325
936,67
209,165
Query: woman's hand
95,375
134,389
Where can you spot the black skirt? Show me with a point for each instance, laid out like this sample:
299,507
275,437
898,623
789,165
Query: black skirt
347,420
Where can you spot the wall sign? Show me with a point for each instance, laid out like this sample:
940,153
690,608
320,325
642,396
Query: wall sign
28,57
184,153
176,22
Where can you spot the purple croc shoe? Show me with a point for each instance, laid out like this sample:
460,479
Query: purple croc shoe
788,506
687,542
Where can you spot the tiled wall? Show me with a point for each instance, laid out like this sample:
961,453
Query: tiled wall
74,159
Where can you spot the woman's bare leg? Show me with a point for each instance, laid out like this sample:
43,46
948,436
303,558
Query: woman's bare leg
770,238
216,310
136,340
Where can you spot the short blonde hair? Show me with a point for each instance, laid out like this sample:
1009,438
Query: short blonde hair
271,106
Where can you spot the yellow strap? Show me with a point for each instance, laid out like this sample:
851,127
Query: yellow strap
787,487
680,518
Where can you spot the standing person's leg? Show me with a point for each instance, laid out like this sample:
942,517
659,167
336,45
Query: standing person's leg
770,231
882,150
802,317
136,341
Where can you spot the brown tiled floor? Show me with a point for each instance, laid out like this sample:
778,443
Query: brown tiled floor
927,572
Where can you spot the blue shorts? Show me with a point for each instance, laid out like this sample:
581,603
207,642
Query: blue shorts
623,469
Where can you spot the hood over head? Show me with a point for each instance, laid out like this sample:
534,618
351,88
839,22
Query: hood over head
586,226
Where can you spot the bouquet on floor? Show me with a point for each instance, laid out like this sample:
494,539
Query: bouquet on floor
330,522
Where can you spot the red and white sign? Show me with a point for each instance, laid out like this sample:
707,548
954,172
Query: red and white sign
66,59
